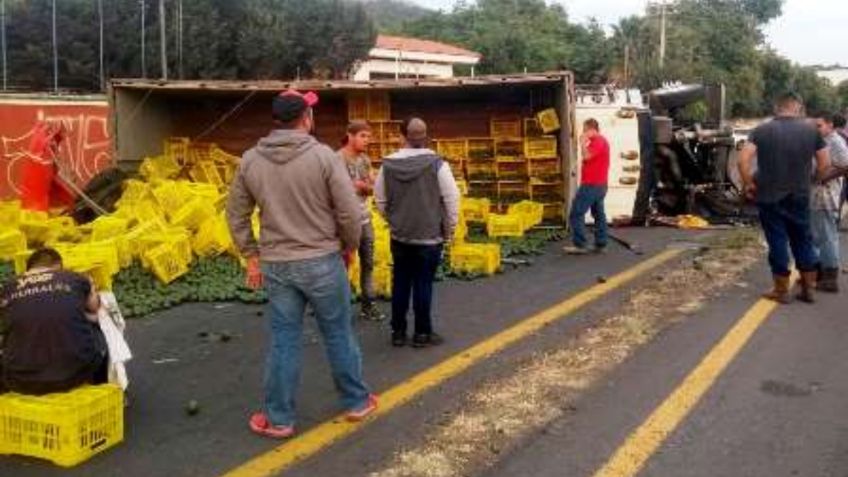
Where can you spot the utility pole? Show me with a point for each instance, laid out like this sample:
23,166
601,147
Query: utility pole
3,33
143,59
627,65
55,53
180,38
102,75
662,33
163,40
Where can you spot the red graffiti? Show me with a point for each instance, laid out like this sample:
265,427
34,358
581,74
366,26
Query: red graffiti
85,151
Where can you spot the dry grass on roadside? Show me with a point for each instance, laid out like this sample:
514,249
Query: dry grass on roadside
500,413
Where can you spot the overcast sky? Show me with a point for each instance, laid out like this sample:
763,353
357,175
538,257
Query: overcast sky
809,32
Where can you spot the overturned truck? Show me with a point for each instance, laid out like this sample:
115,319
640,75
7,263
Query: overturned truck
693,165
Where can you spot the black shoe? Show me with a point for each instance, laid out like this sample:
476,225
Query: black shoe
398,339
426,340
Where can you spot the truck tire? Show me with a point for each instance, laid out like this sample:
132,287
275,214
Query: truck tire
104,189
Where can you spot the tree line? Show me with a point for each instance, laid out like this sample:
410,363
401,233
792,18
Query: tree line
707,41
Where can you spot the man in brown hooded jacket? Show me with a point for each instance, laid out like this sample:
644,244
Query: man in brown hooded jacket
309,215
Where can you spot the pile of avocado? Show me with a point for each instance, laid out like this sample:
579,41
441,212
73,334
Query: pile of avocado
209,280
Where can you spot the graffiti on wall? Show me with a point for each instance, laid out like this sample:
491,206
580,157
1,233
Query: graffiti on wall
86,150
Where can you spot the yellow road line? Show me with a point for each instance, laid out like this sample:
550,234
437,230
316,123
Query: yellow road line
631,457
321,436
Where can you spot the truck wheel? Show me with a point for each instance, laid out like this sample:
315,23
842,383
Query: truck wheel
104,189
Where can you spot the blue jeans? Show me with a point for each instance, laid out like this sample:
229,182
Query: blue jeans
786,225
413,272
588,198
323,283
826,236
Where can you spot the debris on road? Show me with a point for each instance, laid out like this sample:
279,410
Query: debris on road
497,415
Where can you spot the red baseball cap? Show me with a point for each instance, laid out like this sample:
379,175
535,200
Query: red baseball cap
290,104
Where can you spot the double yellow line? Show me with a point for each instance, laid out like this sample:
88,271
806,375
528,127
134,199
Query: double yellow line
318,438
638,448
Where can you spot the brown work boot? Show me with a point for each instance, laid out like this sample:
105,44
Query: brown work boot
828,280
780,292
807,283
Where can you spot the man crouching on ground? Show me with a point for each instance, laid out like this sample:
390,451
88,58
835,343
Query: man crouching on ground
51,345
309,215
417,193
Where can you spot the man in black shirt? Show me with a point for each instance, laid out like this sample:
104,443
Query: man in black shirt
50,345
785,148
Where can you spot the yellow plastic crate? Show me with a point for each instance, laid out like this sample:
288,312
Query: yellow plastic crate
475,258
20,260
192,214
452,148
35,225
544,147
169,196
481,148
532,213
12,242
505,225
10,214
500,128
206,172
511,148
379,106
481,170
213,237
532,128
159,167
554,212
166,262
357,106
476,210
141,230
354,272
548,120
462,186
135,190
177,149
461,231
66,428
383,281
106,227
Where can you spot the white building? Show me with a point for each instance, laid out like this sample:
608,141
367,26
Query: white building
835,75
395,57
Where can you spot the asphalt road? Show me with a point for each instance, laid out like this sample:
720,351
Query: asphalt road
779,409
178,359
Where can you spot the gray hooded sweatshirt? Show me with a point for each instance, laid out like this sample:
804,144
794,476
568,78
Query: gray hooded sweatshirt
417,193
306,201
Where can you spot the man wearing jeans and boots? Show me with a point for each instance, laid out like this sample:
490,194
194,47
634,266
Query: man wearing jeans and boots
826,199
354,154
417,193
784,148
309,215
592,191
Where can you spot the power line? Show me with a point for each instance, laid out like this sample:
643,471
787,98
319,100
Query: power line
55,53
163,40
3,33
143,45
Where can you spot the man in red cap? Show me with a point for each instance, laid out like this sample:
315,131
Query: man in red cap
309,216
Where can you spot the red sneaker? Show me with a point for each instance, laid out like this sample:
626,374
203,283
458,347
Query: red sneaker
360,414
260,424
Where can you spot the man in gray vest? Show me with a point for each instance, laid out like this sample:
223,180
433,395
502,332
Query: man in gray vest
417,193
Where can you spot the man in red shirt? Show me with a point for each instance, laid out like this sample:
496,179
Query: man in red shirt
592,191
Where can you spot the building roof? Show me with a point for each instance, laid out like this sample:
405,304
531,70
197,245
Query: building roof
418,45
